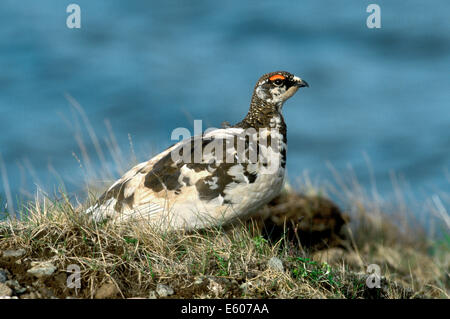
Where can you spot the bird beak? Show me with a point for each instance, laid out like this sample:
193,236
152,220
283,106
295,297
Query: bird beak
300,83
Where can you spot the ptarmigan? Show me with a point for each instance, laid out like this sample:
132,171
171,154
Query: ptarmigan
213,179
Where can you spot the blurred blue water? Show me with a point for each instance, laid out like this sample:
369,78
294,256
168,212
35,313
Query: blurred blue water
150,67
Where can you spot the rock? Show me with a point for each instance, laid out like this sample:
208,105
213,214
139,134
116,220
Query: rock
41,269
313,220
152,295
20,290
107,290
5,291
14,253
164,290
3,276
275,264
14,284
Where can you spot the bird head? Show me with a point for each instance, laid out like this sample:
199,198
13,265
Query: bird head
277,87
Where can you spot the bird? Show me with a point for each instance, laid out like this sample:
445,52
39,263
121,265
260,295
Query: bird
215,178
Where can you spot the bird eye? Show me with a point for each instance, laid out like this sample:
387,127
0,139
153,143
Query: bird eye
278,82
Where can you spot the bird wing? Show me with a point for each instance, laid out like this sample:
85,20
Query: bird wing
155,186
209,174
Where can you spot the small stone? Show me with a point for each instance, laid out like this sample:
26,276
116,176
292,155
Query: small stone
3,276
41,269
164,290
152,295
20,290
5,291
275,264
14,284
15,253
108,290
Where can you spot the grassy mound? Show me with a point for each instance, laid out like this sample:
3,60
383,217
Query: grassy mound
302,246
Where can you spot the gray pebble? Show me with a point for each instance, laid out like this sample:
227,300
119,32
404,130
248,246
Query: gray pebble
275,264
16,253
164,290
3,276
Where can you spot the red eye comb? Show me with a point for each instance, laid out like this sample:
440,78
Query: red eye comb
276,76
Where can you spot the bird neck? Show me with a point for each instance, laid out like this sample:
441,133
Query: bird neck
264,115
